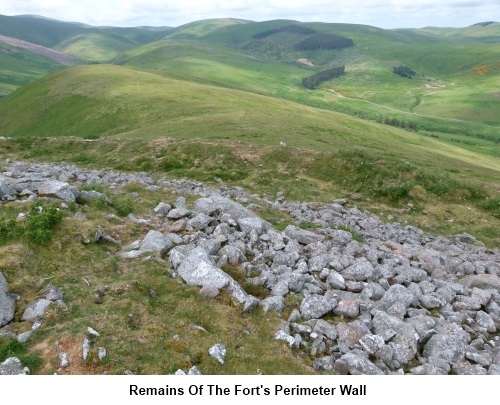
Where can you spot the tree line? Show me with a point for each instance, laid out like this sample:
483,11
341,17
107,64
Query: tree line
313,81
404,71
323,41
291,29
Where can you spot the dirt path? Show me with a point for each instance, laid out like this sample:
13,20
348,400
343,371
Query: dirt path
411,113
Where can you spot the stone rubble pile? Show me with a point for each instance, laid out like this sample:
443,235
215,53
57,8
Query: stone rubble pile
398,302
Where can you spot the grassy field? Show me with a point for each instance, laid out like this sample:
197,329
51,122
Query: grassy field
96,47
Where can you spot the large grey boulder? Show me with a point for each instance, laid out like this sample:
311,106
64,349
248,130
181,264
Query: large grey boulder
326,329
86,197
7,302
200,221
449,344
162,209
341,237
388,326
178,213
276,304
156,242
196,267
397,293
56,189
356,363
13,366
6,190
36,309
249,224
214,204
360,270
315,306
302,236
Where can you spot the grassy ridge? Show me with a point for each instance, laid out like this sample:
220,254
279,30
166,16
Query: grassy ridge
102,100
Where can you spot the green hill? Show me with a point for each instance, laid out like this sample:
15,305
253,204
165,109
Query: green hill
80,40
457,70
454,78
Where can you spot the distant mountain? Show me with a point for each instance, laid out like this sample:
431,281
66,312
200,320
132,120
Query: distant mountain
59,57
484,24
31,46
80,40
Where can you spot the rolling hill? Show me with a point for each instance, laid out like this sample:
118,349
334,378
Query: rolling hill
454,79
106,100
20,66
457,70
56,34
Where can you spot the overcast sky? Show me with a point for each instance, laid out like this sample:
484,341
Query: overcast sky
380,13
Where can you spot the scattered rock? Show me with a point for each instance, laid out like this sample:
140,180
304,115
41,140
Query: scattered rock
399,298
63,359
85,348
218,352
13,366
36,309
93,332
356,363
56,189
7,302
302,236
102,353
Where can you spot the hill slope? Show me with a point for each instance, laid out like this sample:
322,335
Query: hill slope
103,100
20,66
80,40
454,77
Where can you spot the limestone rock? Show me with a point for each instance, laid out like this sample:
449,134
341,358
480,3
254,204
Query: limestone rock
7,302
448,345
162,209
302,236
315,306
36,309
196,267
56,189
356,364
214,204
275,304
6,191
13,366
218,352
156,242
51,293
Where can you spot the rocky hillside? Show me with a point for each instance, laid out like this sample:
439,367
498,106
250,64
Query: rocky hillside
354,295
